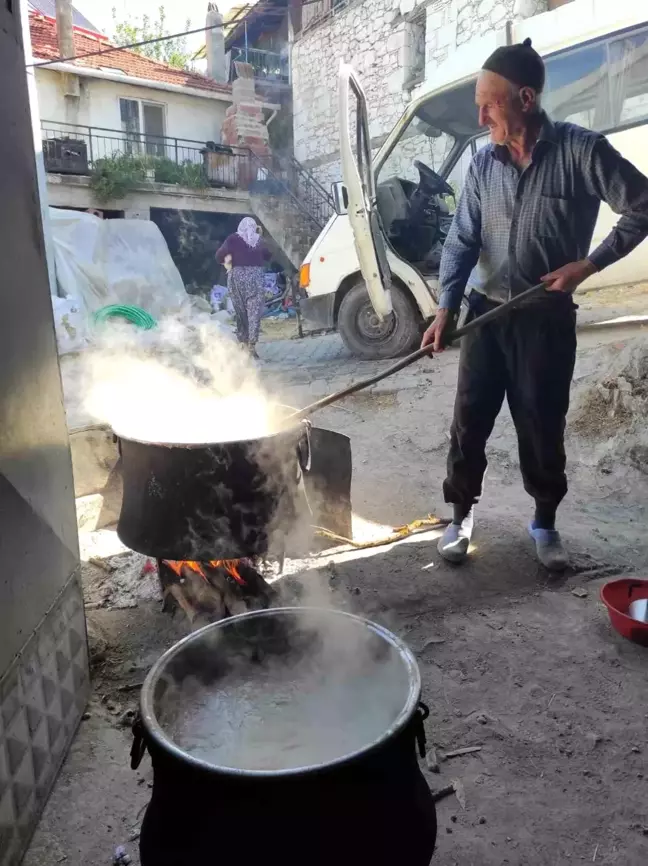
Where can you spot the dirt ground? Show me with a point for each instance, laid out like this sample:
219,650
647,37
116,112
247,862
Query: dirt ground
514,661
279,329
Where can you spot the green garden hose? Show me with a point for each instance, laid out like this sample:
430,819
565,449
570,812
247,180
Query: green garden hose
135,315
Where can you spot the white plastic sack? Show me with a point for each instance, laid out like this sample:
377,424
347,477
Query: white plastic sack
70,322
116,261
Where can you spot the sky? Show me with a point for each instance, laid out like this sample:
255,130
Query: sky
177,12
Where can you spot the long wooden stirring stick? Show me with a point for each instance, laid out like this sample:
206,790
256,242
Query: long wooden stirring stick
474,325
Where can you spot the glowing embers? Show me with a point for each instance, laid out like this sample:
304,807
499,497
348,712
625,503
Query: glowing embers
229,565
211,590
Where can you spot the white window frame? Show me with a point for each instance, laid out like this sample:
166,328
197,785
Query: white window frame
141,103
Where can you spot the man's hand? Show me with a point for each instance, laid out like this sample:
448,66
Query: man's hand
436,332
569,277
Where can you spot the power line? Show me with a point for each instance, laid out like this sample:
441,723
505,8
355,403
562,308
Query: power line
114,48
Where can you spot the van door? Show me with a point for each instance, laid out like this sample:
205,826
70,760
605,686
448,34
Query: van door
355,154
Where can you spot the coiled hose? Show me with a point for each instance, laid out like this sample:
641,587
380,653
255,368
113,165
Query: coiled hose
138,317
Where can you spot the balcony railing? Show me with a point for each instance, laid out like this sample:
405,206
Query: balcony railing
82,150
72,149
268,65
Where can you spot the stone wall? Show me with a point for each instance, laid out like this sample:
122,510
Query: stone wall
370,34
449,25
383,40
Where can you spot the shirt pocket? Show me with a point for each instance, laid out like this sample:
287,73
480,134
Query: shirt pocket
556,213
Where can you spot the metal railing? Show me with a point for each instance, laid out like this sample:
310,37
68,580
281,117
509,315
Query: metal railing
318,11
102,143
288,177
74,149
268,65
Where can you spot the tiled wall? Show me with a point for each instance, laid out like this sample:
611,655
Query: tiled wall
44,680
42,698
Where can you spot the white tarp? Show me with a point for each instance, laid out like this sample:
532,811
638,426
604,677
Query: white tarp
101,262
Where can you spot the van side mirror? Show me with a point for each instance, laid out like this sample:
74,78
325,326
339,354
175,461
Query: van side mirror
340,197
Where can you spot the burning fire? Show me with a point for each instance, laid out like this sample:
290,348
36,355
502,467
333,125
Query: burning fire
228,565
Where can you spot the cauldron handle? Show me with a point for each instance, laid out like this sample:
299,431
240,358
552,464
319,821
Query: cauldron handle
422,712
139,743
304,447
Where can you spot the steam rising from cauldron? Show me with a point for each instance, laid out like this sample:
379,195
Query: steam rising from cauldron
311,691
185,382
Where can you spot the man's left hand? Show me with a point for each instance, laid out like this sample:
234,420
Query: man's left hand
569,277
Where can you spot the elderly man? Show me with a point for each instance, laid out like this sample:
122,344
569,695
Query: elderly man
526,215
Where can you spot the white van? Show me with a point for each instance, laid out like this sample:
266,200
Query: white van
392,214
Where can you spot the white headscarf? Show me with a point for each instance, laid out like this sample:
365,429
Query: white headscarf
248,230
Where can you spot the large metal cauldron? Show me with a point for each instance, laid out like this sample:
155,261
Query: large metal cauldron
371,807
212,501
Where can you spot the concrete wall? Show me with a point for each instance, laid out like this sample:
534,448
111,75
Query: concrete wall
74,191
391,44
44,681
186,116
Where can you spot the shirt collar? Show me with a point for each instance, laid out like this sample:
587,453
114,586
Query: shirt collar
547,134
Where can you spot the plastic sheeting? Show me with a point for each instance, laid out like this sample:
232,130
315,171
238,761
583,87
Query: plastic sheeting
101,262
71,325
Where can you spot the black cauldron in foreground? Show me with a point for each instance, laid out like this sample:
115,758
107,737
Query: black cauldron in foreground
371,807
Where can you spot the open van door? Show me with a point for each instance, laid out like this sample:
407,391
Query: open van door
355,153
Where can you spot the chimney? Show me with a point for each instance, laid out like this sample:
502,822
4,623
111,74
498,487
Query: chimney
64,31
215,45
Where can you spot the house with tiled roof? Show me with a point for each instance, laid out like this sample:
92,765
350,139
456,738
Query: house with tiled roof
199,142
128,100
106,112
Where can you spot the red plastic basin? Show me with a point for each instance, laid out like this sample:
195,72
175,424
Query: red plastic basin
617,596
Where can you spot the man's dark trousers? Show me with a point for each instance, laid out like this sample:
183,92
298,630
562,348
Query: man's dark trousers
528,356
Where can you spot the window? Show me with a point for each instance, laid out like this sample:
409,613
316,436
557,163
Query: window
415,49
430,136
419,141
628,63
129,110
457,176
143,123
603,85
153,128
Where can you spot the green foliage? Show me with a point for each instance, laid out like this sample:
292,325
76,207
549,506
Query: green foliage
189,174
171,51
114,177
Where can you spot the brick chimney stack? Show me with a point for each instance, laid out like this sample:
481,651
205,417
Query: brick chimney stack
243,125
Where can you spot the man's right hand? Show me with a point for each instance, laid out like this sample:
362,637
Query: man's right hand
434,336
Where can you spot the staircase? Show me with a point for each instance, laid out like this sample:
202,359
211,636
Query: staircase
292,205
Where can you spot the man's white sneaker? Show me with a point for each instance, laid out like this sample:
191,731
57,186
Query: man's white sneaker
455,541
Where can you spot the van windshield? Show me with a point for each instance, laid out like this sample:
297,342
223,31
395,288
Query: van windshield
432,132
414,203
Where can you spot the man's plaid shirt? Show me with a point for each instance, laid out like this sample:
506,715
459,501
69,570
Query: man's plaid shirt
511,228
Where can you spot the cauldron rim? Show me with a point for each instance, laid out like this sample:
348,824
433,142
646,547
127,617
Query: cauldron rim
163,741
292,429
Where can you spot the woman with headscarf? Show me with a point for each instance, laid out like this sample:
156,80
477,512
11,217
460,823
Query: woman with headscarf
246,253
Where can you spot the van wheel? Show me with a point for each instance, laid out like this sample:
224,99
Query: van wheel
365,336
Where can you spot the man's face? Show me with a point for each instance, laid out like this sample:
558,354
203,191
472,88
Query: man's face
501,107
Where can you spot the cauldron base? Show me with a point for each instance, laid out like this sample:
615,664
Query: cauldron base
380,813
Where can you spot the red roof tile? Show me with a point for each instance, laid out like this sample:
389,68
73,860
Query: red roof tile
44,47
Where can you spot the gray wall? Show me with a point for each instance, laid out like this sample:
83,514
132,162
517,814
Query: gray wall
43,657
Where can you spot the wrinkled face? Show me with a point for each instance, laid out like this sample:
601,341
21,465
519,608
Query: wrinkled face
503,107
